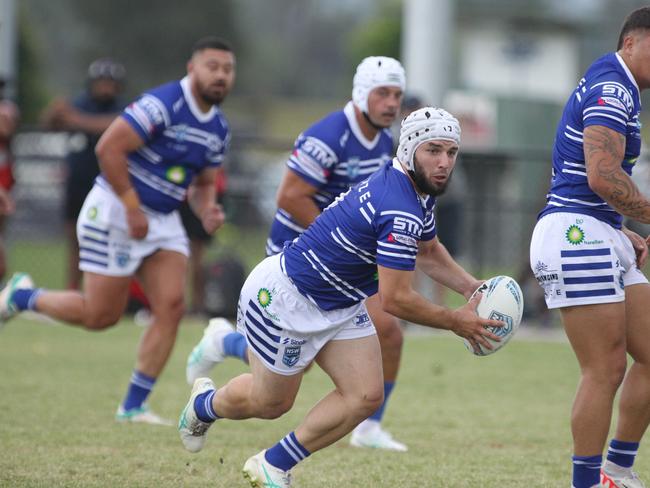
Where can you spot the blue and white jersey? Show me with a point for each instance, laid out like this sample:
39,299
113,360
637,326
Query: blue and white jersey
332,155
379,221
179,142
607,96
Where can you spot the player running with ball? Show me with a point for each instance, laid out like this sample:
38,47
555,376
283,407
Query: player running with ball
307,303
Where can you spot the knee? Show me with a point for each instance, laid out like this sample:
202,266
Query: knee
274,409
169,310
610,373
100,320
367,401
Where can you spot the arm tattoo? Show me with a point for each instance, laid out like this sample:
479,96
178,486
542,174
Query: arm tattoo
604,152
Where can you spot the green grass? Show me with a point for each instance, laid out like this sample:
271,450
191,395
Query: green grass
499,421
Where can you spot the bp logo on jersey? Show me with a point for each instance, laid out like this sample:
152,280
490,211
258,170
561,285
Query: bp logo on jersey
264,297
575,235
176,174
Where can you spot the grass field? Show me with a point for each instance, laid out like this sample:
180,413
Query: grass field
500,421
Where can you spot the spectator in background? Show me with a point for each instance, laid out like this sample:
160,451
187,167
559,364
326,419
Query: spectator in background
86,118
199,241
9,117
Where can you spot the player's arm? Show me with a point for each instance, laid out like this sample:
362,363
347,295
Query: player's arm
203,200
296,197
398,298
436,262
604,150
116,143
76,120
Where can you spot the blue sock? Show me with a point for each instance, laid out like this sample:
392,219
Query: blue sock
234,344
379,413
25,298
203,407
622,453
586,471
286,453
139,389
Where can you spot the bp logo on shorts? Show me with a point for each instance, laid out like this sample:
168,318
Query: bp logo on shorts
575,235
176,174
291,355
264,297
92,213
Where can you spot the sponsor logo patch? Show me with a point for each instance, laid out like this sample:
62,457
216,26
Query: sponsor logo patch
402,239
291,355
614,102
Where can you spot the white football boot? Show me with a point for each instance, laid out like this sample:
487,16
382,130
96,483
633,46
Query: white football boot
209,351
616,477
7,307
141,415
193,431
261,474
370,434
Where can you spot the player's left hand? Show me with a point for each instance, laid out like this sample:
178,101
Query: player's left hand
640,246
212,218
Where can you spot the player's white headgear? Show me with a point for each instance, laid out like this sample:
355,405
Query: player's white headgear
372,72
423,125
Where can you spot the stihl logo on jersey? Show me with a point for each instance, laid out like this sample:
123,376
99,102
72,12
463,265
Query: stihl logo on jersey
619,93
406,225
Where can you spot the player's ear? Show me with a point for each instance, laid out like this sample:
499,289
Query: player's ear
189,66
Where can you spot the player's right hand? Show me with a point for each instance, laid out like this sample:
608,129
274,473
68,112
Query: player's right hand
137,223
470,326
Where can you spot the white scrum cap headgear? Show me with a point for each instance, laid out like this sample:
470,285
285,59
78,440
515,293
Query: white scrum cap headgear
372,72
425,124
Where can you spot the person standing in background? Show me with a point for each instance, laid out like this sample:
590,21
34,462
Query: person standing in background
86,118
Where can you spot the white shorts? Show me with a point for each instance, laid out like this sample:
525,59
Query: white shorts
283,328
104,244
579,260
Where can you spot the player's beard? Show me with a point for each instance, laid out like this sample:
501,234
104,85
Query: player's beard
424,184
211,97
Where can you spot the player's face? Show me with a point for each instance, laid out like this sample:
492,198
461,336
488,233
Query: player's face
383,105
213,74
434,162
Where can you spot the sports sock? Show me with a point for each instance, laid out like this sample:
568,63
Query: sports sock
586,471
286,453
379,413
622,453
25,298
234,344
138,391
203,407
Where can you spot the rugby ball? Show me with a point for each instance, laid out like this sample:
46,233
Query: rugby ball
502,300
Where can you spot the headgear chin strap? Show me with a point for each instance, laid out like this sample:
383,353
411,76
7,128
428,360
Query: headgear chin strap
425,124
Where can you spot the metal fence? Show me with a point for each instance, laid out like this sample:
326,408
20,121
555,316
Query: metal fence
494,208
